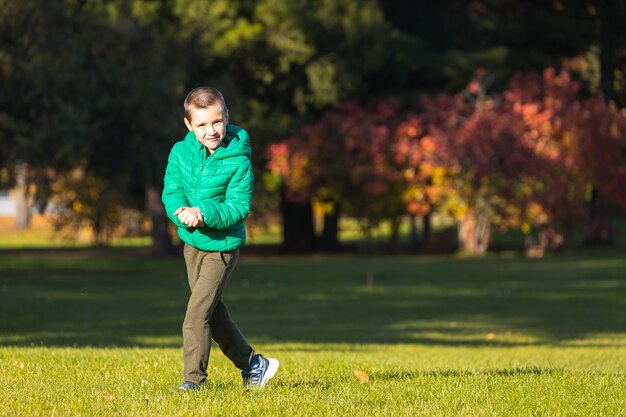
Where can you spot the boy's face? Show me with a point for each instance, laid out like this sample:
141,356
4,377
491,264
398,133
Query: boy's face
209,125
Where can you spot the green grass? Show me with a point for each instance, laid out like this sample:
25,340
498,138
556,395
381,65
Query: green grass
98,333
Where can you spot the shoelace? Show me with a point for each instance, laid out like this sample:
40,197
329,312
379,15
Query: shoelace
255,374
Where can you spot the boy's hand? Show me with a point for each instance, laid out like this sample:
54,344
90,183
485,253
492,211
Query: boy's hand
190,216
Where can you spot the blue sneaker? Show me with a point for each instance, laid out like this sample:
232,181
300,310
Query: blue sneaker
260,371
189,386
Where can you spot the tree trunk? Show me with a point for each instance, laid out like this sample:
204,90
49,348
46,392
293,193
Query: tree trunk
426,230
22,203
394,239
475,232
329,239
298,230
599,230
415,236
608,15
161,239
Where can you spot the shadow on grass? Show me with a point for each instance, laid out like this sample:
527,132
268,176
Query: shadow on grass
453,373
67,300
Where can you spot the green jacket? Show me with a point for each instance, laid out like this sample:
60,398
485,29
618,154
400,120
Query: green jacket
220,185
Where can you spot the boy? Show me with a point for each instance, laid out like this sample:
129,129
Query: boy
207,194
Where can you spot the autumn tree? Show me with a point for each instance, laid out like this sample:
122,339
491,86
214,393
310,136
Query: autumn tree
600,133
486,162
343,162
421,160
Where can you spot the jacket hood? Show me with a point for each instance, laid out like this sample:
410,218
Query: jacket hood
236,143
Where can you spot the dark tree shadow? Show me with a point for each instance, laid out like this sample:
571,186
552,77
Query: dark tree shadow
454,373
57,300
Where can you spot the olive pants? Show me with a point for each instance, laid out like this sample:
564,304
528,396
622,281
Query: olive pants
207,317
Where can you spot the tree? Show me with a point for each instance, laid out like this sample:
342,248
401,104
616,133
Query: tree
343,162
93,94
421,160
510,159
485,160
600,131
548,104
81,72
43,120
140,114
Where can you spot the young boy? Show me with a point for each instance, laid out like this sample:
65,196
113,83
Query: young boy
207,194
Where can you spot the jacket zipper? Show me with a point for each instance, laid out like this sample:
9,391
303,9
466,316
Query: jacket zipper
199,180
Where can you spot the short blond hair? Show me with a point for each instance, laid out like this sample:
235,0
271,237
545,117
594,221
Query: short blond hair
203,97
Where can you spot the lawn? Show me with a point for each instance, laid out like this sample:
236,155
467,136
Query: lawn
86,332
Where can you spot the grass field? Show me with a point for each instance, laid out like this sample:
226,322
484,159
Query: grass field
97,333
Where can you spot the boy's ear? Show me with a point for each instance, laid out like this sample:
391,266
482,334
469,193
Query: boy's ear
187,123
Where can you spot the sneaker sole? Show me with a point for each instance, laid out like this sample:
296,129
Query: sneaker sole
271,371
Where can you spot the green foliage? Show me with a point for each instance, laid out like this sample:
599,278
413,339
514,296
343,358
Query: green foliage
501,36
42,84
85,92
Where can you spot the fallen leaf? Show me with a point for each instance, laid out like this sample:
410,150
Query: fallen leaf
490,336
108,397
361,376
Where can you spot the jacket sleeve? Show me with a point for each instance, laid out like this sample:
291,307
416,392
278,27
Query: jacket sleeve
236,206
173,195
